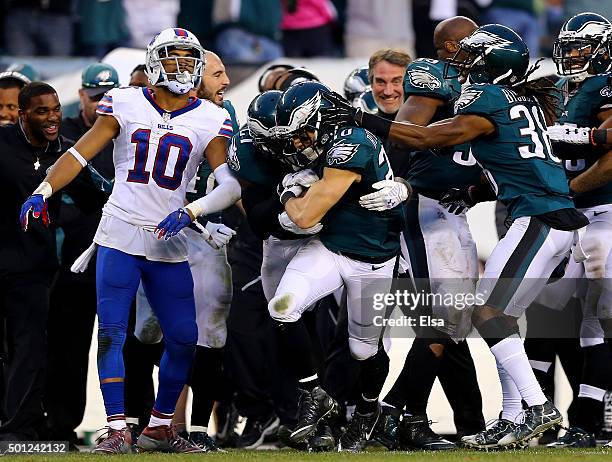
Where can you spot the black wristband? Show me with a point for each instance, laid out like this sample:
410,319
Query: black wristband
287,194
377,125
599,136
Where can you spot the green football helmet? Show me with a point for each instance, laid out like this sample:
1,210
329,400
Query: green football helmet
492,54
583,47
304,113
261,121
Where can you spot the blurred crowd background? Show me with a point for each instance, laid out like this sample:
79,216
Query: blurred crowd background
257,31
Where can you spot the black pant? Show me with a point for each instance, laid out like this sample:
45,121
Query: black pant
457,376
71,320
251,351
24,303
139,359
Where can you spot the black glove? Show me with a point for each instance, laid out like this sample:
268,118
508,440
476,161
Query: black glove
457,200
346,113
341,112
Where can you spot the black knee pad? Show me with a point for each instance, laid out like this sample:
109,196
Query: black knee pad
496,329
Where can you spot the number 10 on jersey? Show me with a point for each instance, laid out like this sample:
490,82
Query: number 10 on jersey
139,174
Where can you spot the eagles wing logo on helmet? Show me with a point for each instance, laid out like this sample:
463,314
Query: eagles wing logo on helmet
341,153
467,97
257,129
423,79
304,112
487,39
592,28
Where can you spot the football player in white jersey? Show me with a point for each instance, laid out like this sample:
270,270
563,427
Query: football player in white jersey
160,135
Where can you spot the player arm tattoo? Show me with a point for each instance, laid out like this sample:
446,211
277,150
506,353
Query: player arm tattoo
308,210
67,167
448,132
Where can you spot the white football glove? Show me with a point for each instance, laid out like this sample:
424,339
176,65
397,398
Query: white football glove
569,134
390,193
304,178
219,235
290,226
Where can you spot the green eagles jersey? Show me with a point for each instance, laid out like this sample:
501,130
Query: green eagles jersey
204,181
349,228
250,165
433,172
517,157
580,107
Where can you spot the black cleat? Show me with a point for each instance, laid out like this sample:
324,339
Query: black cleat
415,433
575,437
135,430
255,431
323,440
227,421
204,442
489,437
386,428
313,407
359,431
537,419
284,437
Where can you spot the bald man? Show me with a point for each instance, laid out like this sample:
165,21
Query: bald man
431,227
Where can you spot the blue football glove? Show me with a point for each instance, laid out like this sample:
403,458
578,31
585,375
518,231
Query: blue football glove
173,223
37,204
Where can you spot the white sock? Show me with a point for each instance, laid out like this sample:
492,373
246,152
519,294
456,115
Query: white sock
132,420
198,428
589,391
116,422
511,405
542,366
158,419
510,354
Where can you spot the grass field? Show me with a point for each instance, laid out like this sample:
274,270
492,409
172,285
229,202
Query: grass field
529,455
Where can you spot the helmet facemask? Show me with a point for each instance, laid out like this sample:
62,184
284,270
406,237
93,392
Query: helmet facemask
579,57
301,147
462,61
185,72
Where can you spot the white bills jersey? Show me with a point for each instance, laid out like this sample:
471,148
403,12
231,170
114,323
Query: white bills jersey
156,154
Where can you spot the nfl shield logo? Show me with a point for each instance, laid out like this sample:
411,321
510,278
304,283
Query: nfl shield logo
166,116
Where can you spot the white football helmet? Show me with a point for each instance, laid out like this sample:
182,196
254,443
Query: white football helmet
158,50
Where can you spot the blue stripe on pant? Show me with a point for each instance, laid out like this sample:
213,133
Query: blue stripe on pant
169,288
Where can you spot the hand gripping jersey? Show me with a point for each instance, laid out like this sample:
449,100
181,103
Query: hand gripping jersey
517,157
349,228
580,107
155,154
432,173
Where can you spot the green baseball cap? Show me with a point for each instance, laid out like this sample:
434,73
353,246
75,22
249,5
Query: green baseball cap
99,78
24,69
